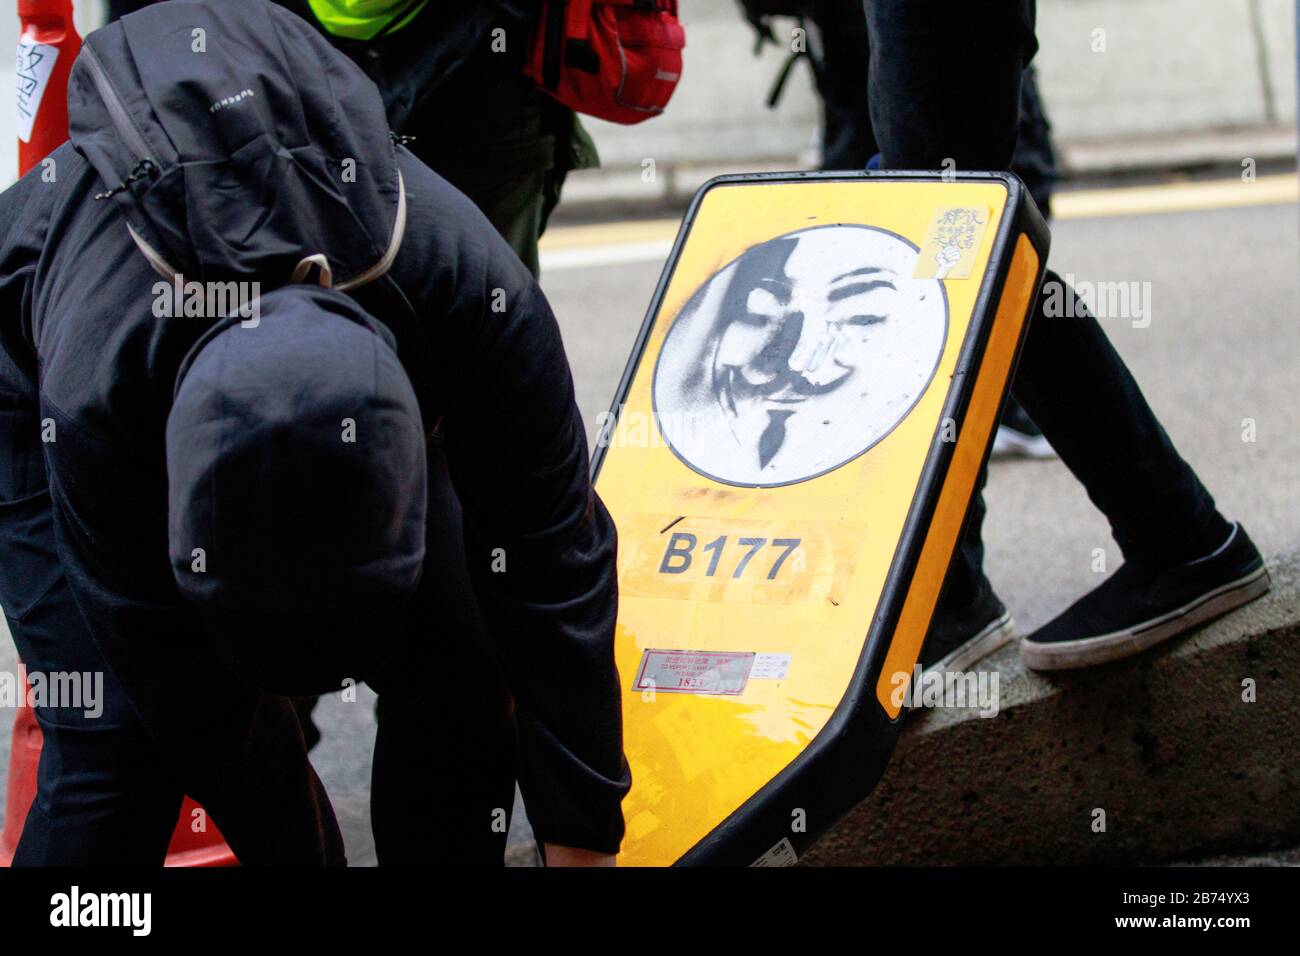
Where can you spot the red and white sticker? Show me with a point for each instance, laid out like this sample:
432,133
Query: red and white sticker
32,72
712,673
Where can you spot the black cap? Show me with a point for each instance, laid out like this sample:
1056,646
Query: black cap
297,489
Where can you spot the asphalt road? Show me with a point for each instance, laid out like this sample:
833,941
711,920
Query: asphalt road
1222,347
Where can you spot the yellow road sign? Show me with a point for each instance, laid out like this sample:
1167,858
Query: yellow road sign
789,460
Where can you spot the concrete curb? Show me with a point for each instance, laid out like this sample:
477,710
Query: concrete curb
628,190
1164,744
1227,148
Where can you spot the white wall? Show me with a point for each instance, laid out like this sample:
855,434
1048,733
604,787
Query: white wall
1169,66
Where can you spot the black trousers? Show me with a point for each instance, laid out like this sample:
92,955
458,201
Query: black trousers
443,773
842,74
945,83
103,794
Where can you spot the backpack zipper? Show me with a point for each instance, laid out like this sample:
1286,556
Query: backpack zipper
145,169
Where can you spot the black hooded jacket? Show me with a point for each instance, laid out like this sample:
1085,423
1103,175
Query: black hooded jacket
227,164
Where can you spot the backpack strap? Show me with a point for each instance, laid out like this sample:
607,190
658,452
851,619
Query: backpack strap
325,277
394,244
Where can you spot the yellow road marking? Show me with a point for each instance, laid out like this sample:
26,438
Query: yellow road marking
607,233
1176,197
1083,204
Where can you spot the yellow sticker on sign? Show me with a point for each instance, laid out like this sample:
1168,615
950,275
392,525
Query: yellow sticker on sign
782,436
952,243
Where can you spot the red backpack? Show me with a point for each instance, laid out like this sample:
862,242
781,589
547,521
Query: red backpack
618,60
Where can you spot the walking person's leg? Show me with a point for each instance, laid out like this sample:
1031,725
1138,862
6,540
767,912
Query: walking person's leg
1184,562
1035,163
945,82
840,72
945,85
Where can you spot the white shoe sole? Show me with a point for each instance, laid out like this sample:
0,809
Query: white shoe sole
993,636
1009,443
1089,651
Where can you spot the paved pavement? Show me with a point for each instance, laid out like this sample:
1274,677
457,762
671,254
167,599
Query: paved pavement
1222,347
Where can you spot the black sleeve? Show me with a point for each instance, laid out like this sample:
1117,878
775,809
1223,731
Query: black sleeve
24,218
541,550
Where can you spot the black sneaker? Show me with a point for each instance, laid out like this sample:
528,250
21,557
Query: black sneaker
958,640
1138,607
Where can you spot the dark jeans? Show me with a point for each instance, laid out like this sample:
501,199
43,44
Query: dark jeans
108,795
103,796
842,72
108,791
945,83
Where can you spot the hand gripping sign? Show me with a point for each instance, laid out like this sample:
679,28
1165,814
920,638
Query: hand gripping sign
789,461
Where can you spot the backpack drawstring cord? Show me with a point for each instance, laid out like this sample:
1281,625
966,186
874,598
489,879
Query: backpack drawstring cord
145,169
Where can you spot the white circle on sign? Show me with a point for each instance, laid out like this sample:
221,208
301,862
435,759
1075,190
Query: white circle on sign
799,355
